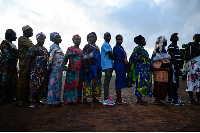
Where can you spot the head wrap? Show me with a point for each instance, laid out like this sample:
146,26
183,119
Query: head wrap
25,27
40,34
159,43
53,35
9,33
75,37
138,39
93,33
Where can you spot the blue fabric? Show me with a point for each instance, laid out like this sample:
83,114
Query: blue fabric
119,66
106,62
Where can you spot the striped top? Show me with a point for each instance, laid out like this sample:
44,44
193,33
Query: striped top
174,48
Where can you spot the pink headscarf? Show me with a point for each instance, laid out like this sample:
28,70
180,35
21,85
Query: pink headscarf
75,37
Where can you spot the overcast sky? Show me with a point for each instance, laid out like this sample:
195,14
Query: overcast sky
150,18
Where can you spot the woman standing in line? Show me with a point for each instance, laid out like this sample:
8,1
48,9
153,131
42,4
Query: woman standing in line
142,63
161,66
8,67
193,80
74,77
56,66
92,69
37,67
120,63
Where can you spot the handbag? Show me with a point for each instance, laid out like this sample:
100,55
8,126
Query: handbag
128,80
187,64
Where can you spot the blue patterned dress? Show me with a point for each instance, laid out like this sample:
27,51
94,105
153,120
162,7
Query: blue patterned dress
56,64
38,72
8,70
142,69
92,82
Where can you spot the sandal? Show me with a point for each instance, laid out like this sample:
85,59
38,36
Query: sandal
120,102
160,103
96,100
35,105
85,101
141,103
194,103
56,105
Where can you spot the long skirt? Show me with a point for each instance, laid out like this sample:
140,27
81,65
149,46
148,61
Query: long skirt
92,88
54,86
73,88
160,77
38,86
193,79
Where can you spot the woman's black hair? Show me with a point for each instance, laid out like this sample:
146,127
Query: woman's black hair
118,36
9,33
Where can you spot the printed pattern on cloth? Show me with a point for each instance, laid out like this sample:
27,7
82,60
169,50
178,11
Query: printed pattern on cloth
56,63
142,69
38,72
193,77
74,82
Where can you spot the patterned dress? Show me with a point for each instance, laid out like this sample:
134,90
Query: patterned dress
8,70
56,64
193,77
38,72
74,82
92,82
142,70
160,75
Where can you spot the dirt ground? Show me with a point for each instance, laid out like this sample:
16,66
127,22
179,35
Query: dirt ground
96,117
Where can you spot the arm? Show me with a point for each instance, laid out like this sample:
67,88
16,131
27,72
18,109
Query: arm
174,62
110,55
117,53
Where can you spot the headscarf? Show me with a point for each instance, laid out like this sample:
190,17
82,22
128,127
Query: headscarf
75,37
40,34
25,27
138,39
159,43
93,33
53,35
161,54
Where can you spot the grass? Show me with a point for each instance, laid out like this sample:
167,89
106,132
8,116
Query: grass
104,76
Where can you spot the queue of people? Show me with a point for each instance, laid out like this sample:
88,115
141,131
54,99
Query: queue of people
40,71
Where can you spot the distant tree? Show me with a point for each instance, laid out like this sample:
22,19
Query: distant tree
184,46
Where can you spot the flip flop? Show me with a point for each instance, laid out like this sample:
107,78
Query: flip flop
141,103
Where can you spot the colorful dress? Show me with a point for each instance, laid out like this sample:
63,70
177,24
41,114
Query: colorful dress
8,70
38,72
160,75
24,44
142,70
56,64
74,82
119,66
193,79
92,61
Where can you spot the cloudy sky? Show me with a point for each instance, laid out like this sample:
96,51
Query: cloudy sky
150,18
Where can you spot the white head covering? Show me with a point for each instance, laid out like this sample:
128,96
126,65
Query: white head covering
25,27
159,43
